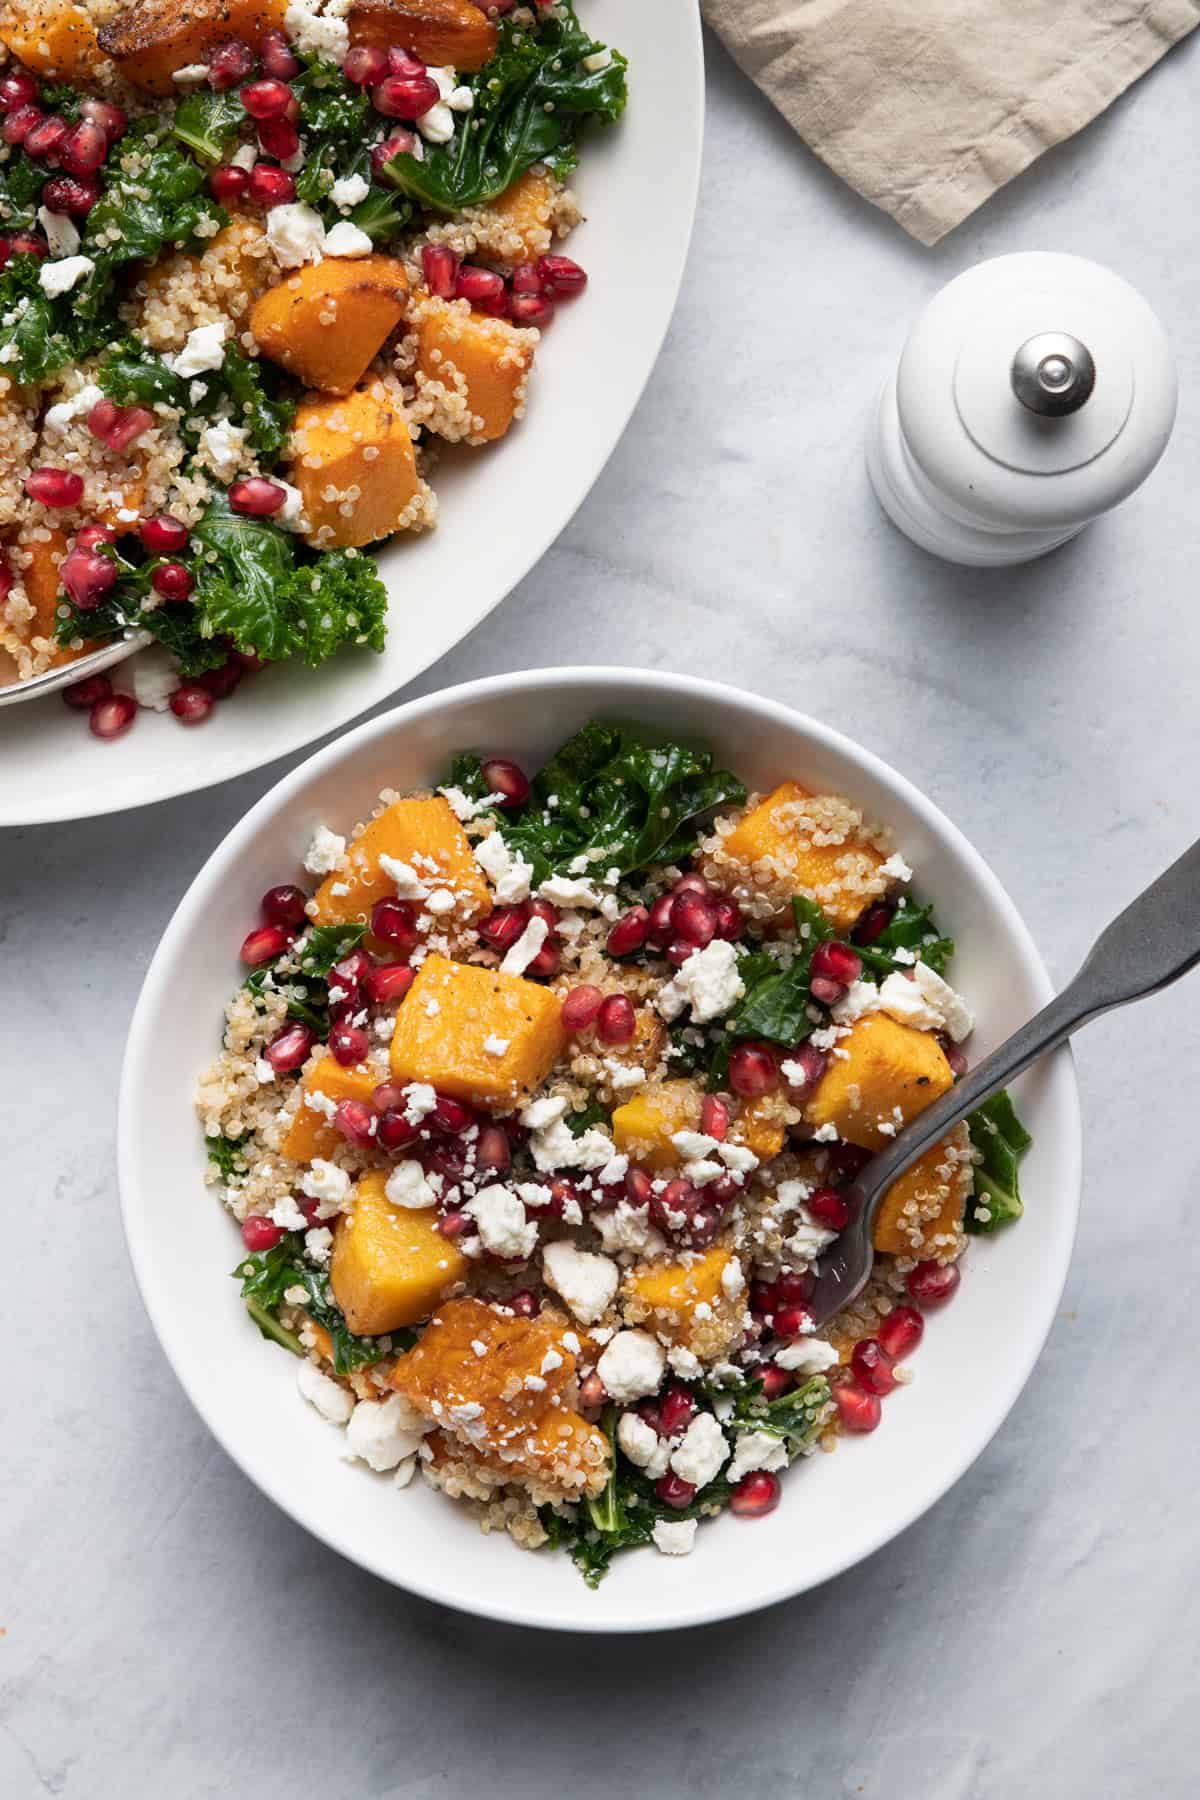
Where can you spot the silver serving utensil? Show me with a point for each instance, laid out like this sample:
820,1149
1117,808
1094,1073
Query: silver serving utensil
1152,943
50,680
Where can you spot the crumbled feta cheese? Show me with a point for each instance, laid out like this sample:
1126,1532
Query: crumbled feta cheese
756,1450
599,59
632,1366
225,445
65,412
541,1113
807,1356
674,1537
926,1001
287,1215
685,1362
708,982
702,1452
382,1433
419,1101
191,72
496,1046
204,349
565,890
460,804
349,190
627,1227
441,902
407,882
522,953
896,869
318,1242
60,277
808,1240
245,157
500,1216
732,1279
312,26
860,997
61,234
325,851
291,513
345,239
510,875
328,1185
296,234
331,1400
151,677
621,1075
586,1282
642,1445
407,1186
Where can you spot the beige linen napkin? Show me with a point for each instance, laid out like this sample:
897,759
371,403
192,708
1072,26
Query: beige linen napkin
928,106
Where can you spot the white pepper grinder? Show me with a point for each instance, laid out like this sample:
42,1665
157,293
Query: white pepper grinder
1034,393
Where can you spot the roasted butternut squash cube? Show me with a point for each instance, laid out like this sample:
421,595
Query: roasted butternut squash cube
327,321
888,1074
921,1213
485,1037
150,39
43,590
760,1127
791,829
355,464
522,216
645,1124
481,363
443,33
53,38
422,833
390,1265
311,1132
665,1296
183,290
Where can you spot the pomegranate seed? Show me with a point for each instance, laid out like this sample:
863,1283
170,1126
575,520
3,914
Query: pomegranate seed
72,194
348,1044
227,183
616,1021
694,918
525,279
221,682
260,1233
691,883
875,920
764,1298
679,951
278,137
309,1207
502,928
792,1321
714,1117
523,1303
404,96
257,497
87,575
164,534
394,921
248,661
591,1392
859,1410
191,703
28,243
674,1491
932,1284
836,962
534,311
47,137
546,963
395,1130
676,1410
83,695
5,252
356,1122
804,1068
119,426
173,581
492,1148
545,910
90,537
365,65
275,54
630,932
954,1056
729,921
755,1495
20,122
499,306
451,1116
507,783
794,1288
387,1096
351,972
847,1160
113,120
580,1008
901,1332
477,284
289,1048
54,487
17,89
403,62
753,1070
388,983
873,1366
453,1224
84,149
264,944
561,276
829,1208
401,143
112,716
229,63
675,1207
775,1381
660,930
639,1189
269,186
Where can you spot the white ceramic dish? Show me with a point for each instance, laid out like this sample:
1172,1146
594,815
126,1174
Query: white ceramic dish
500,508
836,1509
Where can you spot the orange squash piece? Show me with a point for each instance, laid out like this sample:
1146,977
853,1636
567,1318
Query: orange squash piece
52,37
921,1213
525,208
150,39
888,1074
443,33
841,878
310,1132
390,1265
485,360
355,465
422,833
645,1124
759,1128
327,321
673,1291
453,1011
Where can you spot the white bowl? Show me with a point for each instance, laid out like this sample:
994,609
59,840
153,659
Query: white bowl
836,1509
500,508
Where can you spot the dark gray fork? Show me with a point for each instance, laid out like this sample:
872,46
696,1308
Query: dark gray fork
1152,943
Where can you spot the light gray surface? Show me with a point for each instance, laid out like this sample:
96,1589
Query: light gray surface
168,1631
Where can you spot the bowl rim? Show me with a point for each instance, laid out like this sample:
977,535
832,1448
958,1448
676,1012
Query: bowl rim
973,1439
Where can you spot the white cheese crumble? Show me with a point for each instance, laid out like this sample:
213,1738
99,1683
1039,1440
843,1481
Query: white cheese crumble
586,1282
895,868
599,59
926,1001
698,1458
383,1433
674,1537
708,982
60,277
328,1185
460,804
349,190
325,851
404,878
500,1216
60,231
496,1046
345,239
509,875
296,234
331,1400
642,1445
522,953
632,1366
807,1356
225,445
190,73
756,1450
204,349
407,1186
77,407
313,26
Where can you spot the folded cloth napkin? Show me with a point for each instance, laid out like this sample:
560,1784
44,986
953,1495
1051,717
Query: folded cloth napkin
928,106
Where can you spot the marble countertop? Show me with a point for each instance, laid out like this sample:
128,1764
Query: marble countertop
166,1630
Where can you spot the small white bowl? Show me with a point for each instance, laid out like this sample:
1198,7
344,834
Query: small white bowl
976,1356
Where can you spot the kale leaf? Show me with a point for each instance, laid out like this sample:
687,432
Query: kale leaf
911,927
266,1276
124,611
1001,1139
338,124
530,103
796,1417
225,1154
210,123
38,334
21,183
259,396
308,994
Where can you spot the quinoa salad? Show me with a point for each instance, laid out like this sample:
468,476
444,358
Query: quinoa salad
261,261
537,1108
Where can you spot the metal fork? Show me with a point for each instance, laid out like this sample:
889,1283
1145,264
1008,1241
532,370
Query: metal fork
66,673
1152,943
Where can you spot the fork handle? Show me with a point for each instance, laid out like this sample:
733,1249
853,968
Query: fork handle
1151,944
